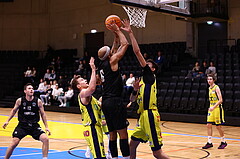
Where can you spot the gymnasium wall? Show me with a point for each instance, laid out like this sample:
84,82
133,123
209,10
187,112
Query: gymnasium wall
33,24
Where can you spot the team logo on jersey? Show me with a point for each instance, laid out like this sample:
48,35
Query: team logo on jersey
15,132
24,103
34,104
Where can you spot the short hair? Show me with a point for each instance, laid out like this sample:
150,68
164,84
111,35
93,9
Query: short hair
28,84
74,82
154,65
213,76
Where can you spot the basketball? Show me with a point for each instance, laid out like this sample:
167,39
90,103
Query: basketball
113,19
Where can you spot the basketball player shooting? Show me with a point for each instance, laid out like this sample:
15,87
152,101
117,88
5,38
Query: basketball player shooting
112,105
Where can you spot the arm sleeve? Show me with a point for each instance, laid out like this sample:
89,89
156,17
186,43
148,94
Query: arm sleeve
148,76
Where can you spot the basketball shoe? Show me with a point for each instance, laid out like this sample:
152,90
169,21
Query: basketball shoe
222,145
208,145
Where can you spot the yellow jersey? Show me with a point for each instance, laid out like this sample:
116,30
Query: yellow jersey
147,96
213,98
91,113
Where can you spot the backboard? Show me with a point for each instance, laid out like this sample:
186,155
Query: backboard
174,7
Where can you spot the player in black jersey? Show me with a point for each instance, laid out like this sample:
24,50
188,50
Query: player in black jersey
29,108
145,93
112,106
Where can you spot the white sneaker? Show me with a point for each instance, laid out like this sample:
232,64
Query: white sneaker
60,105
87,154
64,105
108,156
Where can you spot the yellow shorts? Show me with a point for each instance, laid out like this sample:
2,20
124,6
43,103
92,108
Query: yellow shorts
94,136
216,116
148,129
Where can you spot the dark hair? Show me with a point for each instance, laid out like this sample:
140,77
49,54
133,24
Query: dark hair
213,76
154,65
25,86
74,82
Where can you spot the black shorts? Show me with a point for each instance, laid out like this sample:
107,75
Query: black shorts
24,129
115,113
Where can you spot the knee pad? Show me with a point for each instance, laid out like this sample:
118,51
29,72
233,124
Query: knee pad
124,146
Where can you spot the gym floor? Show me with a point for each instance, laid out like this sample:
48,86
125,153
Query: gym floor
181,140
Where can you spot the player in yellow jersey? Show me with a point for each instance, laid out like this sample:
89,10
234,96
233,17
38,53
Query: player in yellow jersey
148,128
215,113
91,113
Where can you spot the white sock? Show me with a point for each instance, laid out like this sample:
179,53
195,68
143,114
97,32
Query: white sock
210,139
223,139
44,158
126,157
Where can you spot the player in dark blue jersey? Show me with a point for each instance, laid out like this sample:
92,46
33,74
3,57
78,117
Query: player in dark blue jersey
29,108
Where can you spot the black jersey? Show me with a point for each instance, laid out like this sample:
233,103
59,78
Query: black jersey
28,111
112,80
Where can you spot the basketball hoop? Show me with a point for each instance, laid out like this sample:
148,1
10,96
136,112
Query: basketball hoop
137,16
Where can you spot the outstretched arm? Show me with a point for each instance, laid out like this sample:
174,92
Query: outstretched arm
122,48
13,112
43,116
135,46
92,83
115,44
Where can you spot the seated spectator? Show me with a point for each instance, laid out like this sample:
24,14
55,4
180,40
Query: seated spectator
196,71
160,60
124,79
52,76
80,69
129,83
56,93
45,97
42,87
212,68
204,68
67,96
53,84
28,75
52,64
59,63
47,75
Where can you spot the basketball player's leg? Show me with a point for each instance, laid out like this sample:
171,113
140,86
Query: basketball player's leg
45,144
13,145
159,154
133,148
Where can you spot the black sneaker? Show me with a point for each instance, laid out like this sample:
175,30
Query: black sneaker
208,145
222,145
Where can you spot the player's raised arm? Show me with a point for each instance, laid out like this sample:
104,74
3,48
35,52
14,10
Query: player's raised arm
13,112
92,83
135,46
123,44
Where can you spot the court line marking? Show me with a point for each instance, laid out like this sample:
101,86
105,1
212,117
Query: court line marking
133,129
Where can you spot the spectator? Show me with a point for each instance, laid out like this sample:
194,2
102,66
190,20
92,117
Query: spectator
57,92
160,60
42,87
52,64
196,71
204,68
145,55
59,63
67,96
47,75
212,68
28,75
129,83
52,76
45,97
80,69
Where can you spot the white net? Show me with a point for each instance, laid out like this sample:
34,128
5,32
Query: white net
137,16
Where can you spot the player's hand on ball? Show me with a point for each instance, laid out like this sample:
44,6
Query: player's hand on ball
5,125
